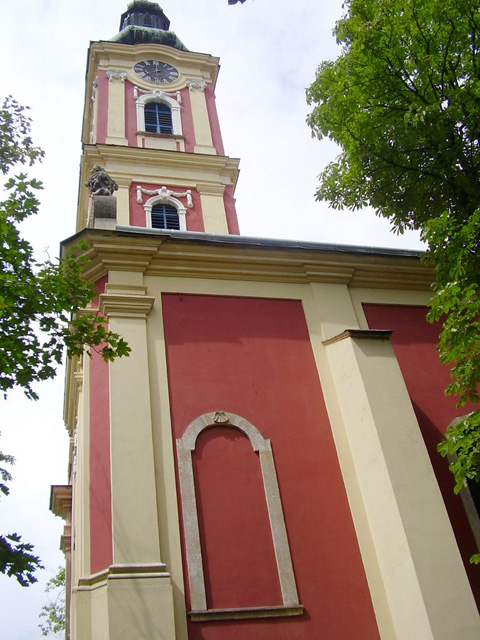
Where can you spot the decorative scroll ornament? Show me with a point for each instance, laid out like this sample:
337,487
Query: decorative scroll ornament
165,194
116,75
196,84
100,183
157,93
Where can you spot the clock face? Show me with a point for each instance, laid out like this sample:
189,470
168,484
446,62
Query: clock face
156,71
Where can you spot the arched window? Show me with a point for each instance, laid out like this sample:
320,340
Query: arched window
158,118
165,216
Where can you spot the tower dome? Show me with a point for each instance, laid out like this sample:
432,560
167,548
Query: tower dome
144,21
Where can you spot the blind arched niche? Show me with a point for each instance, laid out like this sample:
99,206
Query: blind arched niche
196,579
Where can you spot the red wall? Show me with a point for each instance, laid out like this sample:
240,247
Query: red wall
253,357
130,115
213,119
101,553
229,486
414,341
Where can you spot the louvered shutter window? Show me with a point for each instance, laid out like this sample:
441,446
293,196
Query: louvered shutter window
158,118
165,216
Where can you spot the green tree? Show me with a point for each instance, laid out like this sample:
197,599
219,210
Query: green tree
39,302
16,559
54,611
402,100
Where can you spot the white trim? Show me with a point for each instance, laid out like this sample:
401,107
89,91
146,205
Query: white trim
158,96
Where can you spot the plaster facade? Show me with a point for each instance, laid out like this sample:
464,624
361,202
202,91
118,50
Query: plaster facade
305,504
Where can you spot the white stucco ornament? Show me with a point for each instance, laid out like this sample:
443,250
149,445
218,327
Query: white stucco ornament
196,84
164,194
116,75
156,93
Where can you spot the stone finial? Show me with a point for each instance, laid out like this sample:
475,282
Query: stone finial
100,183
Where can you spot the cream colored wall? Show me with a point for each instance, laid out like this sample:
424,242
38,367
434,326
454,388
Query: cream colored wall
116,108
213,208
381,453
201,122
406,517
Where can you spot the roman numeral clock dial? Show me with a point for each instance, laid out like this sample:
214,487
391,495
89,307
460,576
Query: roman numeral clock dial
156,71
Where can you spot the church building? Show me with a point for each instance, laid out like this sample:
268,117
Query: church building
263,465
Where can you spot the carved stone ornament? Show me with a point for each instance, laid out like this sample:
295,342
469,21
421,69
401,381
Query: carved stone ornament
116,75
164,193
196,84
100,183
157,93
220,417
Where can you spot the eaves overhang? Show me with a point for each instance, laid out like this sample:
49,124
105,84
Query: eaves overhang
229,257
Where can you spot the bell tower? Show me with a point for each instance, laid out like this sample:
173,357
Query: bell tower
150,122
255,467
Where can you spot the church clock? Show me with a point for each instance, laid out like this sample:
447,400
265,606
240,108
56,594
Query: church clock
156,71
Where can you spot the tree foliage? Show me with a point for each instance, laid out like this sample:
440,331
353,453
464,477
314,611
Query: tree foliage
54,611
455,250
39,301
16,559
41,304
403,102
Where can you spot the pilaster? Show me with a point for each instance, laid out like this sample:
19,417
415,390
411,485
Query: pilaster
201,122
418,566
133,598
123,200
116,108
135,523
213,208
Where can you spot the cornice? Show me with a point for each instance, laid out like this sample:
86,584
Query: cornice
200,65
208,256
139,51
73,387
144,159
125,302
61,500
177,169
207,188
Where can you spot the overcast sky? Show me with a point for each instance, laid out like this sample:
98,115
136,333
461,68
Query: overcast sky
269,50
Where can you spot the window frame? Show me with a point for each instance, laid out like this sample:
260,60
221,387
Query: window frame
158,199
185,448
161,97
